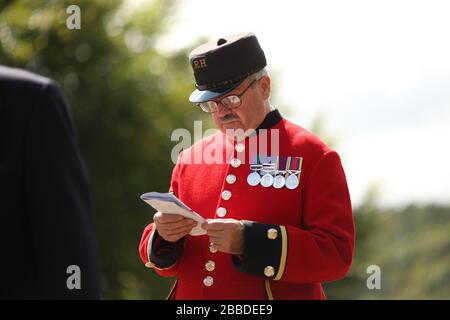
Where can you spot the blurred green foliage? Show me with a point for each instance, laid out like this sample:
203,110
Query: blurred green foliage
126,99
411,245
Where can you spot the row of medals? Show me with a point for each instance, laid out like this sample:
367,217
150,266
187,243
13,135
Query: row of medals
271,176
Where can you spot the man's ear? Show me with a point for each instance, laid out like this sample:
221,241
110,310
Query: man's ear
264,85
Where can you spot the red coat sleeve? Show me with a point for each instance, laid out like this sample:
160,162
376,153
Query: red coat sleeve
154,251
323,249
146,246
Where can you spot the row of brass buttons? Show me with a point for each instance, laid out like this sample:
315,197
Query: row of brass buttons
210,265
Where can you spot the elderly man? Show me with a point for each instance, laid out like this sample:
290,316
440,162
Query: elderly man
279,218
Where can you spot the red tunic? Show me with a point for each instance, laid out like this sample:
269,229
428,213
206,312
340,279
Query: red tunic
311,237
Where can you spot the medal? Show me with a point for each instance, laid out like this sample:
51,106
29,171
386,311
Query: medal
267,180
253,179
292,181
279,182
267,168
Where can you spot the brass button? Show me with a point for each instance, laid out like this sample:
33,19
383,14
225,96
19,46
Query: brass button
226,195
149,265
239,147
208,281
272,233
210,265
221,212
269,271
231,178
235,162
212,249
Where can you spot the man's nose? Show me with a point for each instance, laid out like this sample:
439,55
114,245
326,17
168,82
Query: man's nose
221,110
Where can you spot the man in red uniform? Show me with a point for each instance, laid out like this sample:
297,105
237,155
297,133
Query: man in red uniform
276,201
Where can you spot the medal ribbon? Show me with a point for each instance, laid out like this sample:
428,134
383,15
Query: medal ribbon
288,166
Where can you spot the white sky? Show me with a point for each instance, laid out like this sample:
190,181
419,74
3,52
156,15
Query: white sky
378,71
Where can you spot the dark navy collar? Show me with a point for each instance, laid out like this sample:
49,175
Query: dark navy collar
271,119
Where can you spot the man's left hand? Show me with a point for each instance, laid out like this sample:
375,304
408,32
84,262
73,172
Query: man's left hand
226,235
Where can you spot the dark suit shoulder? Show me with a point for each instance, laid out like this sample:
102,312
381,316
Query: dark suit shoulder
22,92
21,84
14,76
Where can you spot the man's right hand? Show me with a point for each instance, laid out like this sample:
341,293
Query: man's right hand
172,227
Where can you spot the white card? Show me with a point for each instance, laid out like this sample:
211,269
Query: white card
169,204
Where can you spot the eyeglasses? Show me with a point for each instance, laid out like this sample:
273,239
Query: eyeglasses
229,102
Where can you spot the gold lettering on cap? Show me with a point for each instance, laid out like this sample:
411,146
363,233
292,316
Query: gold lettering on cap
200,64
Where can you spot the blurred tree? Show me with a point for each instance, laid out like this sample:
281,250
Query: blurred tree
126,99
410,245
